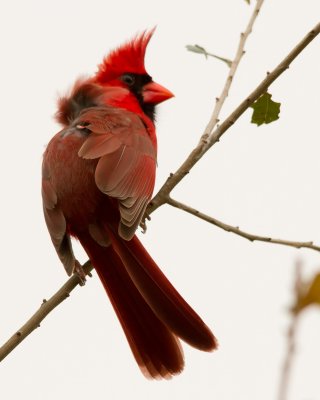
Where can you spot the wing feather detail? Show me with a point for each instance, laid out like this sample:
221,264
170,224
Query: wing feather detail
56,222
127,160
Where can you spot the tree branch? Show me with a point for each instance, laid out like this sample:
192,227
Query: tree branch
236,229
291,340
46,307
205,144
234,66
208,139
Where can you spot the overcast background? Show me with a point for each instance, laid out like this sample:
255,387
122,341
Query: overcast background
266,180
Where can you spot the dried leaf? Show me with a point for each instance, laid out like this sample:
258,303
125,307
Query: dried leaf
311,295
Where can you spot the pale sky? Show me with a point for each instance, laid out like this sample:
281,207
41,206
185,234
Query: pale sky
263,179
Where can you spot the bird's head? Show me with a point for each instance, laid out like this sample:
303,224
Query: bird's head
124,67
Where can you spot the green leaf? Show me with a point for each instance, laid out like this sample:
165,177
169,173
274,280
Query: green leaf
197,49
201,50
247,1
265,110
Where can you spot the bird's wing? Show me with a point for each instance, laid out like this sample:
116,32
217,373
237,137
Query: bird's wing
127,160
56,222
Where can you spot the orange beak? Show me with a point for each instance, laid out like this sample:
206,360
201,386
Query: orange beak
153,93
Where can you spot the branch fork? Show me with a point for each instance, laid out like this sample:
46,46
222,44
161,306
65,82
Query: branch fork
211,136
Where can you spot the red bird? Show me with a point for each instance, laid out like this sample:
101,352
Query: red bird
97,178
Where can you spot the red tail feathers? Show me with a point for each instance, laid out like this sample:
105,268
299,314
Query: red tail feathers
150,310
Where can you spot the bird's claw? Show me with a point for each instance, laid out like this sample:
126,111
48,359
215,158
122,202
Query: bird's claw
80,272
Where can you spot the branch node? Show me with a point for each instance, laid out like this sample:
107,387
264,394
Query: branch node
164,193
36,319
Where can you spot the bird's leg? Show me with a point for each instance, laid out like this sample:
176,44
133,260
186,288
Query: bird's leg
80,272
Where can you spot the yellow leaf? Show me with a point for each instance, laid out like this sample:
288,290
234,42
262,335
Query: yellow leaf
311,296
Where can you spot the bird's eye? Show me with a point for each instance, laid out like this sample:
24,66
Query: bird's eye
129,79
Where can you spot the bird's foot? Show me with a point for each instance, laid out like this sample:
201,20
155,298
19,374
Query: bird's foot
80,272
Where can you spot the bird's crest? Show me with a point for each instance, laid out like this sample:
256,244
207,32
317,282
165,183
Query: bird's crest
127,58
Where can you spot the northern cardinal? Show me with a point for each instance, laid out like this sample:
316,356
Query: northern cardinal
97,178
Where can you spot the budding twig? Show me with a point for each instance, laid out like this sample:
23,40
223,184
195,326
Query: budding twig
163,194
46,307
208,139
236,230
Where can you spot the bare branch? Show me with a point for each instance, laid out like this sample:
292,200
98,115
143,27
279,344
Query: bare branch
208,139
288,362
234,66
238,231
205,144
291,341
64,291
46,307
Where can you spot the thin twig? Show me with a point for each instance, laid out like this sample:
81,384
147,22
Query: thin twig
288,362
205,139
291,341
162,196
234,66
238,231
46,307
